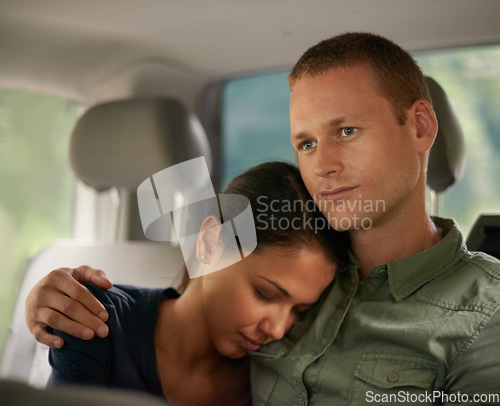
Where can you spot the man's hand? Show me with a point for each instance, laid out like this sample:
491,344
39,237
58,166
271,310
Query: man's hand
60,301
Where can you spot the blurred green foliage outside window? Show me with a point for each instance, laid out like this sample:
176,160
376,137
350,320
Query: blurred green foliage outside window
36,184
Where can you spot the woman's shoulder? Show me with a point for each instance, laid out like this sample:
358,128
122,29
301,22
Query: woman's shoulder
132,304
131,295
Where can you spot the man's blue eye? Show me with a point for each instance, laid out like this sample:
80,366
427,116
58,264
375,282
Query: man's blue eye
347,131
308,145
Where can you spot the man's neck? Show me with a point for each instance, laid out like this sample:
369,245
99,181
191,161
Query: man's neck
392,240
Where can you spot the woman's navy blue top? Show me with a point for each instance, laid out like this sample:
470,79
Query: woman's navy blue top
126,358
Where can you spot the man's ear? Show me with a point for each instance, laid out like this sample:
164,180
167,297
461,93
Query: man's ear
208,239
426,125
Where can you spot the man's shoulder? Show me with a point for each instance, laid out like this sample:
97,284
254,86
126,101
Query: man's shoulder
482,262
479,267
470,283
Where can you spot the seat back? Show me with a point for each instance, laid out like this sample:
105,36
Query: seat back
114,145
138,263
19,394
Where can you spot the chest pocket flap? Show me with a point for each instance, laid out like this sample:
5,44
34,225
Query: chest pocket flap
394,371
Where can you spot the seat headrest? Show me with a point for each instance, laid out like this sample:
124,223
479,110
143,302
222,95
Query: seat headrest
121,143
485,235
447,156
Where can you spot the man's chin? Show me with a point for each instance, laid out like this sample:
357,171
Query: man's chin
350,222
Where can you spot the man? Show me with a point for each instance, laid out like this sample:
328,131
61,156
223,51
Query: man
423,321
415,320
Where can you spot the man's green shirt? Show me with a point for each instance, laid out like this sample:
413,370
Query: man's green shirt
421,330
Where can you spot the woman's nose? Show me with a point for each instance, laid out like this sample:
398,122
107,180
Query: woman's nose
277,323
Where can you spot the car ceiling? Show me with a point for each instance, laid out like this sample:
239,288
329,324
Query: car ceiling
94,50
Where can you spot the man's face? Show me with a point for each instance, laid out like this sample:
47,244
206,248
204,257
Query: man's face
356,161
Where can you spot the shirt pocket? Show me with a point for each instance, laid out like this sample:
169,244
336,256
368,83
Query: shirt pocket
393,380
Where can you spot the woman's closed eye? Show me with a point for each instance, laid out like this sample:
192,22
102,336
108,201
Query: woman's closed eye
263,295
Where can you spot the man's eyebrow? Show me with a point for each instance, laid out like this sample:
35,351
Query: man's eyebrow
299,137
277,286
335,122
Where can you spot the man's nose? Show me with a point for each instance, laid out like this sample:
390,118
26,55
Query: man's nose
327,159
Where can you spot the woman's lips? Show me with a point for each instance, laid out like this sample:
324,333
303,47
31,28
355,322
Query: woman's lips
251,345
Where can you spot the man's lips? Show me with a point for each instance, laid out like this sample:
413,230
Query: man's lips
251,345
337,193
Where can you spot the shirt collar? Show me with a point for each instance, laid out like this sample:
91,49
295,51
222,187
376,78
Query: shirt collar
409,274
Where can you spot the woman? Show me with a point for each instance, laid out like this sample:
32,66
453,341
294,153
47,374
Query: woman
192,348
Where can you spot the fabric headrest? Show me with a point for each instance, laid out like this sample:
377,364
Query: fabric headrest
121,143
447,156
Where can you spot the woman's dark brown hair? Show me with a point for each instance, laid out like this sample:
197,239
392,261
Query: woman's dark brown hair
285,215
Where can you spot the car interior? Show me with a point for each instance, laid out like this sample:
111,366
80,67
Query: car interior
151,84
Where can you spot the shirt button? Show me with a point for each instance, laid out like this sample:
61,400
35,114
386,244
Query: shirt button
394,377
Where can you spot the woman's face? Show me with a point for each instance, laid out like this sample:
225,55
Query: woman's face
257,300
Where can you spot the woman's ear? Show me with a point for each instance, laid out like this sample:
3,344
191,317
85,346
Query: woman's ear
426,125
208,239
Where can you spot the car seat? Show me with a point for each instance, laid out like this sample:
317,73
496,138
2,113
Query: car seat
485,235
116,144
447,156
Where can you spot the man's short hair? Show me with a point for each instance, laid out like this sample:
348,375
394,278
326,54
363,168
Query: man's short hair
397,74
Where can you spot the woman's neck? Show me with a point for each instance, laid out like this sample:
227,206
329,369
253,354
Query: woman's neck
186,355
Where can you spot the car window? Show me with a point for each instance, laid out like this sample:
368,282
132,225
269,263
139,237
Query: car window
256,127
471,78
37,185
